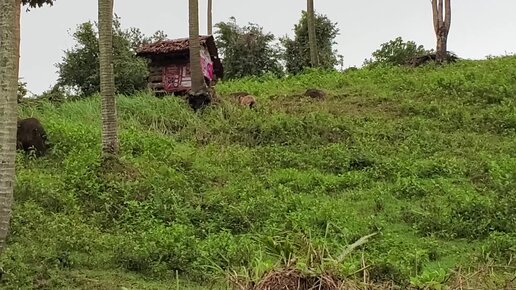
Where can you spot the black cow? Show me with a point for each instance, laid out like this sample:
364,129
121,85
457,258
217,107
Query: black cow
31,136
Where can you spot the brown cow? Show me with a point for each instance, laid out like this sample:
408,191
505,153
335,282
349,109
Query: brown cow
30,135
247,100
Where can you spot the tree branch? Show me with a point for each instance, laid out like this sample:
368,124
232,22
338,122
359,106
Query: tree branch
435,14
447,20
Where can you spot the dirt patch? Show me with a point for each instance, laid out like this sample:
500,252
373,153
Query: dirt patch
113,168
293,279
361,108
315,93
483,278
288,279
353,106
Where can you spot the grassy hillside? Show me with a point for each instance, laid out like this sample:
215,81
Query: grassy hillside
423,157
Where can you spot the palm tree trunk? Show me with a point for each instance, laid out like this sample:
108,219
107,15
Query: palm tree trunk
195,48
17,35
210,18
314,59
8,112
107,82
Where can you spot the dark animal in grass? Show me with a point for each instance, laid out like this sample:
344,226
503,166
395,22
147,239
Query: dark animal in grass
31,136
199,99
315,93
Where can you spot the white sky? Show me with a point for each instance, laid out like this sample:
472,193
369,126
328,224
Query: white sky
479,27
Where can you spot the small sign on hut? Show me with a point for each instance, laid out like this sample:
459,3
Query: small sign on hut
169,66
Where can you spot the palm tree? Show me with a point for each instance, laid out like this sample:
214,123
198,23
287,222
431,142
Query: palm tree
17,33
442,22
210,18
198,96
8,112
195,48
9,71
107,81
314,59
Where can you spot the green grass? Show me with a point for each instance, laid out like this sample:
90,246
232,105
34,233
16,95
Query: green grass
425,157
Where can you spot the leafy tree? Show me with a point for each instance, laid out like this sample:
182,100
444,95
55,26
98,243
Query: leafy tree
8,111
297,50
135,36
56,94
247,50
36,3
22,90
79,68
395,52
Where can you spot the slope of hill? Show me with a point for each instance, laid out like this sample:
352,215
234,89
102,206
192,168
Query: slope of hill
423,157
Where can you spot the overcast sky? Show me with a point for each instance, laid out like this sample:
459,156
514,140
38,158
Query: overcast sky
479,27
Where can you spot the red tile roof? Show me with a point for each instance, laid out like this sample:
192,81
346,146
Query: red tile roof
172,46
169,47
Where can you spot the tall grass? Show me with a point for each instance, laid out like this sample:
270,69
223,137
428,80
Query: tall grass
425,157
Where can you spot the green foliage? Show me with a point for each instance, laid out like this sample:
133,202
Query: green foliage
395,52
56,94
430,280
37,3
22,90
79,68
297,50
247,50
423,157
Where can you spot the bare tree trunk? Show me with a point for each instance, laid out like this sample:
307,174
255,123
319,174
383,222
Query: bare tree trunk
195,48
441,48
8,112
107,82
442,23
314,59
210,18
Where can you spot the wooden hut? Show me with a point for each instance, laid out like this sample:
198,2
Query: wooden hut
169,66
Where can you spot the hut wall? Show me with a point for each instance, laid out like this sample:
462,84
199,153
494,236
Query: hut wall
176,77
169,74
